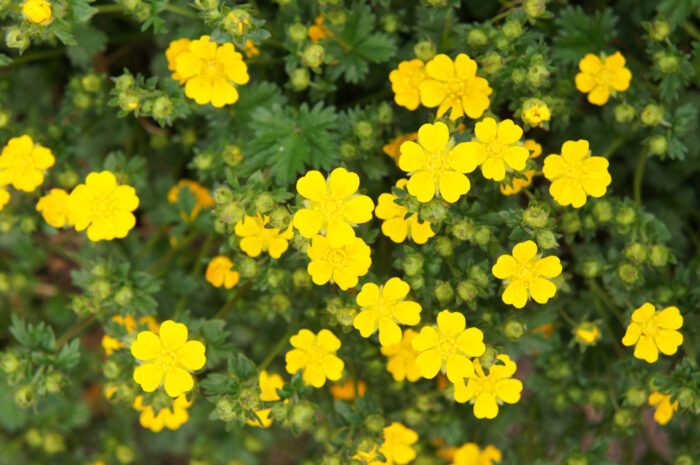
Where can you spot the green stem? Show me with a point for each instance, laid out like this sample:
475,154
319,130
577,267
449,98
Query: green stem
39,55
181,11
566,317
613,146
171,253
229,305
639,175
109,9
606,299
275,350
75,330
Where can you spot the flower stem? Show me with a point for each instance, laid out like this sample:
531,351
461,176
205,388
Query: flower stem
75,330
639,175
275,350
229,305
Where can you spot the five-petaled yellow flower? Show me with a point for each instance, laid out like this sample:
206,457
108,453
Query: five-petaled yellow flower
315,354
269,384
496,148
393,148
384,308
454,85
448,347
22,163
103,207
175,48
332,206
536,112
53,207
395,225
527,275
342,264
168,359
397,447
406,81
172,417
219,272
486,392
654,332
256,238
471,454
576,174
210,71
202,197
37,11
664,408
436,165
402,358
598,78
111,344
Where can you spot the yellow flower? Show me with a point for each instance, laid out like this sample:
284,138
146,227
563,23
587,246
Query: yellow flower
175,48
587,333
53,207
4,197
664,408
209,70
111,344
256,238
342,264
533,147
406,81
315,354
172,417
201,195
535,113
471,454
395,225
402,358
103,207
37,11
575,174
219,272
398,444
383,308
486,392
654,332
250,49
168,356
518,183
22,163
318,31
332,206
269,384
598,78
436,165
348,390
496,146
525,275
448,347
393,148
454,85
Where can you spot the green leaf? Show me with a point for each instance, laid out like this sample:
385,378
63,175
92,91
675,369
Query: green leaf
69,355
580,33
36,337
242,367
677,11
5,60
81,10
62,30
90,42
218,384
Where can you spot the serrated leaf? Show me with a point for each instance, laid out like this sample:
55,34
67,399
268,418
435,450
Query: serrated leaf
241,366
218,383
676,11
580,33
81,10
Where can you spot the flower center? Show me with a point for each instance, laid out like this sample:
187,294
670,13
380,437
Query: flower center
211,68
526,273
496,149
437,162
330,207
446,347
649,328
103,207
337,258
167,359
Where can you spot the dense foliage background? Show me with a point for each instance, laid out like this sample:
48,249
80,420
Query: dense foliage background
93,85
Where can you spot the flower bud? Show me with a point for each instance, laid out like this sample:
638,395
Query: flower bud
248,267
492,63
9,362
667,63
636,253
100,289
535,8
128,102
162,107
659,30
223,195
570,223
231,213
125,454
275,277
537,75
602,211
598,397
374,423
536,216
512,29
546,239
624,418
577,459
413,264
33,437
625,216
659,255
636,397
467,291
390,23
301,278
684,460
463,230
488,358
53,443
224,409
591,268
27,225
518,76
300,79
652,114
237,22
628,273
625,113
53,382
425,50
82,100
363,129
477,38
443,246
658,144
124,82
416,282
479,276
297,32
4,118
15,38
513,329
25,396
280,218
111,369
337,17
385,113
314,55
686,398
444,292
206,4
124,296
232,155
203,161
264,202
482,235
302,415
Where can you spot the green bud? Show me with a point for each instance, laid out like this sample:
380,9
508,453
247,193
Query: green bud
467,291
463,230
279,411
100,289
128,102
416,282
203,161
492,63
130,5
385,113
598,397
25,396
637,253
124,296
91,82
248,267
4,118
659,255
444,292
15,38
82,100
628,273
111,369
206,4
488,358
297,32
537,75
591,268
658,144
280,218
514,329
686,398
570,223
237,22
27,224
577,459
337,17
280,303
162,107
512,29
232,155
502,43
264,202
477,38
9,362
667,63
652,114
33,437
588,222
53,443
300,79
363,129
518,76
636,397
625,216
443,246
425,50
414,416
302,415
374,423
602,211
53,382
625,113
536,216
684,460
575,393
224,409
413,264
124,82
624,418
535,8
301,278
546,239
390,23
125,454
482,235
659,30
231,213
275,277
479,276
314,55
331,460
223,195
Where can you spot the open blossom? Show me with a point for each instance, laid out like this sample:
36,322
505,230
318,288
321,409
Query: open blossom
37,11
219,272
315,354
332,206
664,409
348,390
168,357
210,71
53,207
599,78
527,275
384,308
342,264
497,148
269,384
393,148
406,81
536,112
202,197
256,238
22,163
402,358
172,417
652,332
576,174
318,31
486,392
397,447
111,344
454,85
395,225
471,454
175,48
435,165
448,347
103,207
